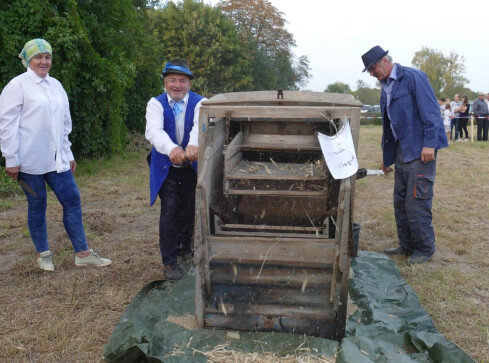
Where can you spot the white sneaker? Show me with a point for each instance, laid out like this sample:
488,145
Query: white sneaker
45,262
92,260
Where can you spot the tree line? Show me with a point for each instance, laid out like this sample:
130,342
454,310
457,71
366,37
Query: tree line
109,54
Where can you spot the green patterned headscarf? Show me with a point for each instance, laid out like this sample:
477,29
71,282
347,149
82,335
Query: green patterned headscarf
32,48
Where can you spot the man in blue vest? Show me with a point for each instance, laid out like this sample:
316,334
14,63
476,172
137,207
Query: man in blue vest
172,121
413,131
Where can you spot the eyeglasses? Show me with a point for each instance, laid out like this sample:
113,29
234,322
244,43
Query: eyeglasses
373,66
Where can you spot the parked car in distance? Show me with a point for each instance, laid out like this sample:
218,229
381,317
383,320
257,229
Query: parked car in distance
374,109
365,108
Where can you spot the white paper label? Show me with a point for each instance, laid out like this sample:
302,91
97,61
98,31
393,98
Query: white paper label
339,152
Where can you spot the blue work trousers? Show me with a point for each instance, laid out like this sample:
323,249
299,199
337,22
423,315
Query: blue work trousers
64,187
177,195
413,198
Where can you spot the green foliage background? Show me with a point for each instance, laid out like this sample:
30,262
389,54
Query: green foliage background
108,54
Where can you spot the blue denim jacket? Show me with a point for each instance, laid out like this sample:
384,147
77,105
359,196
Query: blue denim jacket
415,117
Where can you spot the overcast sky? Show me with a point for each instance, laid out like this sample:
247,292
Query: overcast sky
334,34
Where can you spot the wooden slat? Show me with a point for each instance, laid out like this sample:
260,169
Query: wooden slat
278,186
264,227
280,193
271,99
345,226
281,251
270,275
281,142
267,234
295,210
264,113
286,296
246,170
232,157
278,310
322,328
289,127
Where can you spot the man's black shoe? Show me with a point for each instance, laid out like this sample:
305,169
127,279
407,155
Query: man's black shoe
399,251
418,259
172,273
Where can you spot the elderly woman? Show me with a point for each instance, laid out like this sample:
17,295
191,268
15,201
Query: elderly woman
34,125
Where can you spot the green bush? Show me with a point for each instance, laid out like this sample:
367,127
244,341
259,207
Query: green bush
95,45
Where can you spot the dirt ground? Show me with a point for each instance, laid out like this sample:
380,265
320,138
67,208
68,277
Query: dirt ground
69,315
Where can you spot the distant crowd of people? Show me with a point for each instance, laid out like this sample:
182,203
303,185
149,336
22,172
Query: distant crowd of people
456,116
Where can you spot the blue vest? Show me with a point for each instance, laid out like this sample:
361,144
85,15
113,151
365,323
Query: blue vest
159,164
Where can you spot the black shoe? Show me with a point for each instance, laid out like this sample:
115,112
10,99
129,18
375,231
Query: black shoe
418,259
399,251
172,273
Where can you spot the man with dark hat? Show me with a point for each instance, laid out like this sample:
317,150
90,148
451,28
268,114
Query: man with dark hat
413,131
481,112
172,121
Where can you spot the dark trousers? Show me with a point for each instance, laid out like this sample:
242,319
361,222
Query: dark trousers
177,195
482,128
413,199
454,126
462,125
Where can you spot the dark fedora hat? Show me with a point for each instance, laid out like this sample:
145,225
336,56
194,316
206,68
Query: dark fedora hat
372,56
178,66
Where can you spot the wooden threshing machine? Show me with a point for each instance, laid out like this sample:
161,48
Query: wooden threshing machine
273,232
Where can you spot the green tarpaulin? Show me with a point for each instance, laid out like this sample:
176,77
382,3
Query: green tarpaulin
390,325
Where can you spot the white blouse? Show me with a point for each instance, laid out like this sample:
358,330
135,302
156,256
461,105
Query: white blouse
35,123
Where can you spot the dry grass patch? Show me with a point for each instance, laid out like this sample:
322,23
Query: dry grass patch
450,285
69,315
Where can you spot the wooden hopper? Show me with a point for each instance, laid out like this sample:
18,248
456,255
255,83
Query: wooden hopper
273,228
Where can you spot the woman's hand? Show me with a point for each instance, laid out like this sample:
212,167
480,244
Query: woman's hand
73,166
13,171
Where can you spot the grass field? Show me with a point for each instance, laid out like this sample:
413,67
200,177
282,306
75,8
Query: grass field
69,315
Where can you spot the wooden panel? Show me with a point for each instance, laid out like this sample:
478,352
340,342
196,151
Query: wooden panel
264,227
269,234
279,193
296,211
281,251
247,170
265,113
289,127
279,310
232,156
281,142
270,275
271,99
322,328
250,295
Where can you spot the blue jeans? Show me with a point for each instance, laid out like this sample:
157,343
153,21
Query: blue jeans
66,190
413,198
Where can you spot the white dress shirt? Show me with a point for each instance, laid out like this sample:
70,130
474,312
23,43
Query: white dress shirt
35,123
155,133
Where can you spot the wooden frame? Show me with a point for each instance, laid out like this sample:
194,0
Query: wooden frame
257,271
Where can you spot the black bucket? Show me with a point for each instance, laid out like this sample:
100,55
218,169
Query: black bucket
355,237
